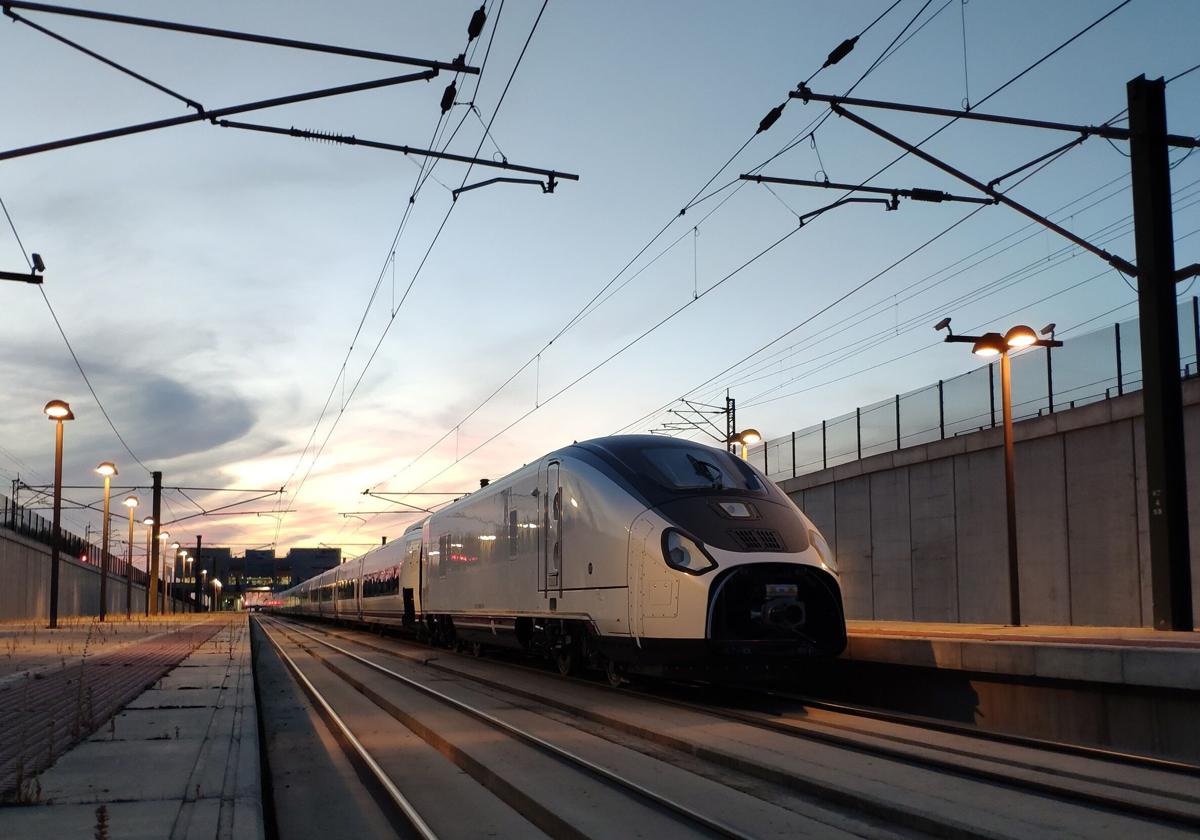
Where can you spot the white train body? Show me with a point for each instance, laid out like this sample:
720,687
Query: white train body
634,552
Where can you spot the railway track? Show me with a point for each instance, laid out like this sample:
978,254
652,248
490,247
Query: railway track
1161,796
620,805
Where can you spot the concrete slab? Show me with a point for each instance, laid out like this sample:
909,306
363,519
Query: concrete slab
125,821
1163,668
176,698
177,762
1077,663
853,546
998,658
154,724
125,774
1125,656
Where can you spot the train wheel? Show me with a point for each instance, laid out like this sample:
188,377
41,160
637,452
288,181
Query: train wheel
565,661
613,674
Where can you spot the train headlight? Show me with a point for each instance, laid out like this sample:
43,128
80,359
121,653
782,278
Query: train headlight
817,541
685,554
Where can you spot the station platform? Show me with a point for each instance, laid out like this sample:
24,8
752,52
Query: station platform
180,759
1129,656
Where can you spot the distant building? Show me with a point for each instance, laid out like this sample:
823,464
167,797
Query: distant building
258,573
303,563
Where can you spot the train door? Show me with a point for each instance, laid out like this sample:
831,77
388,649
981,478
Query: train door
552,513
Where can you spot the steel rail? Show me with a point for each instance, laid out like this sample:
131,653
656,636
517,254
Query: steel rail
710,823
803,730
398,799
1146,762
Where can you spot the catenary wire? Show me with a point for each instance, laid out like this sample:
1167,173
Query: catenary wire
894,161
420,266
599,297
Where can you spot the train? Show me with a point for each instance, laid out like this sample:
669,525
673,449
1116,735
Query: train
630,555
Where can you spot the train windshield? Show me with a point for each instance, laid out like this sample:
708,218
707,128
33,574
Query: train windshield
699,468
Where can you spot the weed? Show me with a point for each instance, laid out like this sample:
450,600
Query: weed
101,823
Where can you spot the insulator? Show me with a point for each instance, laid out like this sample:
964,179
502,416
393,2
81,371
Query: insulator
919,194
769,120
475,27
841,51
448,96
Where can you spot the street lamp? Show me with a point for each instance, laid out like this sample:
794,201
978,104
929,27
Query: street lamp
166,585
203,581
107,469
58,411
130,502
217,585
149,523
746,438
987,346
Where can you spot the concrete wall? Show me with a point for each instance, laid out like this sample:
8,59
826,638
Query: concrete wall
25,584
920,532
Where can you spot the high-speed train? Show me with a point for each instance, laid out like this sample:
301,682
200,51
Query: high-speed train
629,554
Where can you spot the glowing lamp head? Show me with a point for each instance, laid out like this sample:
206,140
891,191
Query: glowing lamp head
106,469
149,520
164,535
1020,336
58,410
749,437
989,345
130,502
175,546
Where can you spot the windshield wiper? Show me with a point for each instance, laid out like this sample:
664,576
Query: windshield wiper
707,471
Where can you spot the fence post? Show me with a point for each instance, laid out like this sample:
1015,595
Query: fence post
941,412
824,449
793,454
1117,339
858,430
992,393
1050,378
897,421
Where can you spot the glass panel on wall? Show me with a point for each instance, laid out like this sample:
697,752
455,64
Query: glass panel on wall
968,402
1028,384
809,452
919,416
878,423
1085,369
842,439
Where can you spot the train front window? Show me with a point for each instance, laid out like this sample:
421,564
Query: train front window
699,468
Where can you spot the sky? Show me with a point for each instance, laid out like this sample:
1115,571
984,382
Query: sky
212,281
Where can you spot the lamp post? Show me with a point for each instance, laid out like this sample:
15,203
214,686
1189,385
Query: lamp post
187,574
166,591
107,469
152,579
203,581
149,523
177,569
58,411
217,586
987,346
746,438
130,502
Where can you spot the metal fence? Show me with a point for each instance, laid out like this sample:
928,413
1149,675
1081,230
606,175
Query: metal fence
39,529
1094,366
